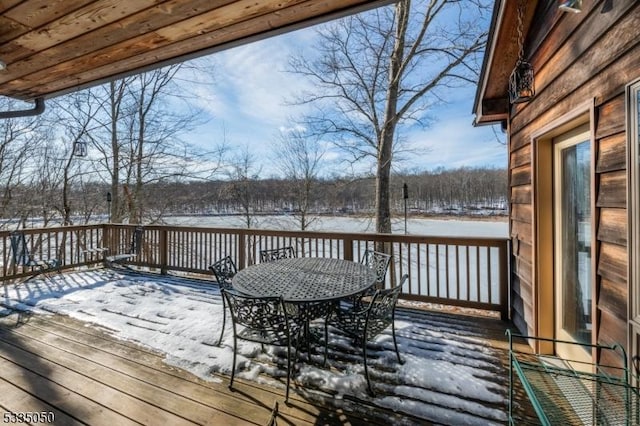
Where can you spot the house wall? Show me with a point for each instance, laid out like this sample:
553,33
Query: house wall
578,58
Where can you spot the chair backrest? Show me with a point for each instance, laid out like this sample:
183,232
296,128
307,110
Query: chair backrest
19,249
381,309
276,254
377,261
264,315
136,240
223,270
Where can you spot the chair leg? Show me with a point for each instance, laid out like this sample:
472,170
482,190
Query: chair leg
307,336
326,341
395,343
297,344
286,397
224,319
366,368
233,363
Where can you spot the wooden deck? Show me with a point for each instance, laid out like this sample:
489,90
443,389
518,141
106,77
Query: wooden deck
85,375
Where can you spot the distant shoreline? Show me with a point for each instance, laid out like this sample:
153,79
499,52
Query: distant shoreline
493,217
481,218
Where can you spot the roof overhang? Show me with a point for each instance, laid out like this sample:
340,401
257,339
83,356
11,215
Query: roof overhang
491,103
54,47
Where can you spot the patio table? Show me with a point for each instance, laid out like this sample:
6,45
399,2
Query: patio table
305,279
309,286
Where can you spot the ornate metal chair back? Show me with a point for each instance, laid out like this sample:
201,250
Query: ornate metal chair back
377,261
223,270
277,254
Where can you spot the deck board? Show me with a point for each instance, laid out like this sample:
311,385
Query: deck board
82,374
150,368
85,374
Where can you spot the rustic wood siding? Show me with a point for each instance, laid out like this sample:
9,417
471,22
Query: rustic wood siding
590,56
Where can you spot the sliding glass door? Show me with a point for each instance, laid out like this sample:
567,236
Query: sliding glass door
572,233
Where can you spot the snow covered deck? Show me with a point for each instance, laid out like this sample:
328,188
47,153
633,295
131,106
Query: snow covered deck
101,346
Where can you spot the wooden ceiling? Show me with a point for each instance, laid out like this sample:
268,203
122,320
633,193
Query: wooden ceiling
52,47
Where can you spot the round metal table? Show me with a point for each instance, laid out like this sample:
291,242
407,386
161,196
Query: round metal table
305,279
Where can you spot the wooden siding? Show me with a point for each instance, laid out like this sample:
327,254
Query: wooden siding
590,56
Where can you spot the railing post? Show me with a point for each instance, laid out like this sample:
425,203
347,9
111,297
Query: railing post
164,251
242,249
504,280
347,244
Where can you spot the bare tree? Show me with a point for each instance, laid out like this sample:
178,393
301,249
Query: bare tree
243,176
74,116
141,121
19,139
299,157
107,140
387,69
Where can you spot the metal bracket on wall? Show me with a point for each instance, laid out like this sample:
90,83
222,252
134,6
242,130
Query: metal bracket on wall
37,109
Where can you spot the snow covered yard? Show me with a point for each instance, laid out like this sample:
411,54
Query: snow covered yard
451,374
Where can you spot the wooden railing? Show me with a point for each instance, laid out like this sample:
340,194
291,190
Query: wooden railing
468,272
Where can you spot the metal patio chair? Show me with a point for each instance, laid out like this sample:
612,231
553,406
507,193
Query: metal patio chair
223,270
277,254
134,249
364,325
379,263
22,256
262,320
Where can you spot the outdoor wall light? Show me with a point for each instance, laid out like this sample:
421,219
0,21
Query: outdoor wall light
574,6
3,65
521,80
521,83
80,148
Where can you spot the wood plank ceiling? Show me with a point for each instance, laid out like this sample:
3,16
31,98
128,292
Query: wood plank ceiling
51,47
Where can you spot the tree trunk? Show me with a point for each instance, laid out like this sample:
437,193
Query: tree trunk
115,214
383,178
387,134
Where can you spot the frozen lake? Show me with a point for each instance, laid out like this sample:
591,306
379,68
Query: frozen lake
498,228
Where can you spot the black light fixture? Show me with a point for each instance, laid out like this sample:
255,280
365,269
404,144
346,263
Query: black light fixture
405,196
80,148
109,204
521,81
574,6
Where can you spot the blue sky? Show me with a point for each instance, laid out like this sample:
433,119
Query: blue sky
247,106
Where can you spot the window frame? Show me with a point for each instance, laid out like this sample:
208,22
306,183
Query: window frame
633,198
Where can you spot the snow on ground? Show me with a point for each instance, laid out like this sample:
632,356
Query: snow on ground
449,376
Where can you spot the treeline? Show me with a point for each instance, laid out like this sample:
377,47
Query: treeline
458,191
462,190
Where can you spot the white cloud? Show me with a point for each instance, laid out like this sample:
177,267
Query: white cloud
247,103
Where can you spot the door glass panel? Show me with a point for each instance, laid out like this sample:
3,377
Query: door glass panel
575,244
